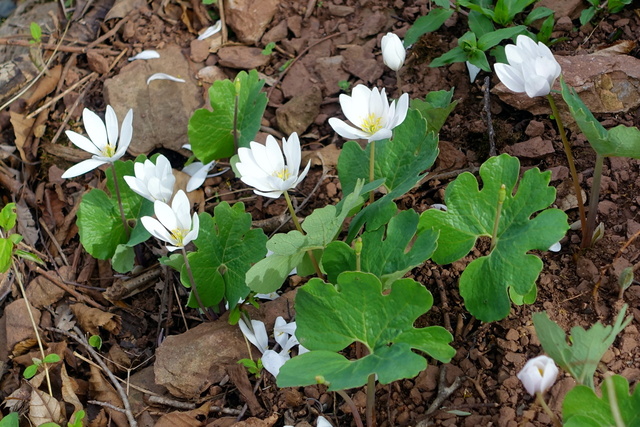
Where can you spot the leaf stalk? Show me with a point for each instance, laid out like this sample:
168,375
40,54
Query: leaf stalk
294,218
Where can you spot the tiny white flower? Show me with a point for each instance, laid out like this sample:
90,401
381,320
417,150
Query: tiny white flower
369,111
256,334
264,168
393,52
532,68
164,76
145,54
153,181
538,374
215,28
174,224
103,140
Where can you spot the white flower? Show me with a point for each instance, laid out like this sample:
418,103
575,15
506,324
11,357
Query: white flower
263,167
153,181
369,110
393,53
532,67
198,172
102,142
174,224
215,28
538,374
256,334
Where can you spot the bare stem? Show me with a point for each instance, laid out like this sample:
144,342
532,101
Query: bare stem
545,407
572,167
352,405
294,218
235,122
371,399
502,194
117,188
193,286
372,155
593,202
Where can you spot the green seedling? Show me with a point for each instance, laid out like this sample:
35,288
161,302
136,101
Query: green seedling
12,419
581,357
32,370
508,271
285,65
597,6
226,249
36,33
436,108
331,317
238,107
252,366
268,49
10,242
344,85
95,341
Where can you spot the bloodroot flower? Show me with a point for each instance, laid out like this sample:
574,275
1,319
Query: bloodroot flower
174,224
102,142
531,69
263,167
393,52
538,374
153,181
369,110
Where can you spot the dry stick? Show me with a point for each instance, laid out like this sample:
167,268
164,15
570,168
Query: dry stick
281,76
160,400
487,110
57,97
443,391
79,338
109,33
62,48
444,302
54,241
59,283
223,21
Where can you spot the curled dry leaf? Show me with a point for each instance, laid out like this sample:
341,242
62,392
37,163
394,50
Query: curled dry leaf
69,387
193,418
26,224
90,319
102,391
44,408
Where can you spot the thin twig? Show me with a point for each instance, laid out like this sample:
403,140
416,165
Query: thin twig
443,391
79,338
487,110
54,47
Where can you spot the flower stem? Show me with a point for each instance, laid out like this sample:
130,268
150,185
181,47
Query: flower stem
117,188
294,218
593,202
193,286
371,398
398,83
352,406
554,417
372,155
572,167
502,194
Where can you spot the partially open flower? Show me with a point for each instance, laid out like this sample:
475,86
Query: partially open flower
531,69
102,142
153,181
393,52
174,224
538,374
264,168
369,110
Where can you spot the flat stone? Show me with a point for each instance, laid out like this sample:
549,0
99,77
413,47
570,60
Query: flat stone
329,70
297,114
570,8
156,122
249,18
199,50
242,57
276,33
211,74
534,128
361,63
605,83
340,10
296,81
559,173
531,149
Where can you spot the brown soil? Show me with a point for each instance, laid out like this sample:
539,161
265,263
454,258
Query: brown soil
575,288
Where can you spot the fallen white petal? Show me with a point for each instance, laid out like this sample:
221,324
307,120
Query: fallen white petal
146,54
473,71
555,247
163,76
211,30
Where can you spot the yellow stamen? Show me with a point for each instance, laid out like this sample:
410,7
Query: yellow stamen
371,124
282,174
109,151
178,235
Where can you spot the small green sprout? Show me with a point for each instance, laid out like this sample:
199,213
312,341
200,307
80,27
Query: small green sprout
268,49
344,85
32,370
253,367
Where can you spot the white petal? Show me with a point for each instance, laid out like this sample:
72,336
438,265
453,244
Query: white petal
163,76
156,229
82,167
211,30
346,131
126,133
181,206
536,86
165,215
302,175
83,142
145,54
473,71
400,111
270,194
95,128
322,422
509,77
556,247
112,125
272,361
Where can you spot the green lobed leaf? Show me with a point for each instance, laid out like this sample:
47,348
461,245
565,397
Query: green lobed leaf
426,24
486,282
99,224
435,108
227,247
8,216
211,132
583,408
321,228
491,39
330,318
587,347
12,419
388,252
6,250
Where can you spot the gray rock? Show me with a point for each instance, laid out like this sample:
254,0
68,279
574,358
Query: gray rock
161,110
249,18
330,71
242,57
297,114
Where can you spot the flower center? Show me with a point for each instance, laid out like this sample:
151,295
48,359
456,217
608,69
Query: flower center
178,235
109,151
283,174
371,124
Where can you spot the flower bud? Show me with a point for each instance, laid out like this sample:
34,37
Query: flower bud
538,374
393,53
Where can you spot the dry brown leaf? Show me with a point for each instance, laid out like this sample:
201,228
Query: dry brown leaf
69,387
64,318
46,85
26,224
44,408
102,391
193,418
22,131
19,399
42,292
100,420
24,346
90,319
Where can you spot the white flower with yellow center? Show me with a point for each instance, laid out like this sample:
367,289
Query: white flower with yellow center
538,374
102,142
263,167
369,110
153,181
174,224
